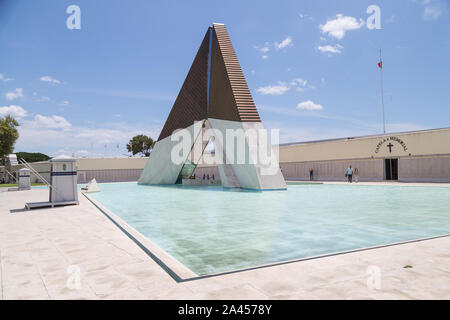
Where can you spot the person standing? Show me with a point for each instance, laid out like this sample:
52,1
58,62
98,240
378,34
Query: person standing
350,174
311,174
356,174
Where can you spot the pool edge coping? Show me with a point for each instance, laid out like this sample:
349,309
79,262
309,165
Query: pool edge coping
181,273
177,270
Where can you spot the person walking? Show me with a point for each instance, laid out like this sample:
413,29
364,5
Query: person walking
349,174
311,174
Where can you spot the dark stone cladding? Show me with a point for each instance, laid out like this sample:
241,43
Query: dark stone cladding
190,105
229,95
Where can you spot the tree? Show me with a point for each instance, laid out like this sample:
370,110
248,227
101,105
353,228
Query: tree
8,136
32,156
140,144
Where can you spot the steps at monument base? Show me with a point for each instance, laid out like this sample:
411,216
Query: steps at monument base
200,182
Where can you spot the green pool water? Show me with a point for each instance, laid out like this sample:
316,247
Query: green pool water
211,229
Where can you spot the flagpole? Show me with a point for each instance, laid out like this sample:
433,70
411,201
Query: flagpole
382,93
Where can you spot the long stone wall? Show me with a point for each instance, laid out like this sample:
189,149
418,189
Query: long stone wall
43,168
410,169
369,170
424,169
417,169
110,175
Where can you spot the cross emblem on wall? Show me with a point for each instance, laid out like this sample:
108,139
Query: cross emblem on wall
390,145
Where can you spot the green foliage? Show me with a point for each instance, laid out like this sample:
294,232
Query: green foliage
4,185
140,144
8,135
32,156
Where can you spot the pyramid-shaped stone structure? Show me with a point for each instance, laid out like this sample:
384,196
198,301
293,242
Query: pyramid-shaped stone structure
214,95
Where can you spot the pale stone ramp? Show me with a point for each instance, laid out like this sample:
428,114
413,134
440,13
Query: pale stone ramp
37,247
92,186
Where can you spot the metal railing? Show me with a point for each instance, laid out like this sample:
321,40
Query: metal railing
27,165
11,175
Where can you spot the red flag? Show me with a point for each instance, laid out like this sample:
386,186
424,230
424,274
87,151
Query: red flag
380,64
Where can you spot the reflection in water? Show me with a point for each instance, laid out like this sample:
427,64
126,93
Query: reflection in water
210,229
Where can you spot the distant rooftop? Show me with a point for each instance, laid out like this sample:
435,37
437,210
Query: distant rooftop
360,137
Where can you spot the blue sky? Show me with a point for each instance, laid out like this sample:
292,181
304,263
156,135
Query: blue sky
310,65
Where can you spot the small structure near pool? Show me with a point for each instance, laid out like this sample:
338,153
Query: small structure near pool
63,184
24,179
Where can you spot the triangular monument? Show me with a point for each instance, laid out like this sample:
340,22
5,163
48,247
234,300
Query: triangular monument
215,101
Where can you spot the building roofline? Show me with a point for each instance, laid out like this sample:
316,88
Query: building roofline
360,137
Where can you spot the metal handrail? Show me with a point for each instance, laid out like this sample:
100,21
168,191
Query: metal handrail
10,175
28,166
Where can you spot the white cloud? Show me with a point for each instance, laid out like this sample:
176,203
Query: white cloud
403,127
340,25
330,49
304,134
299,84
279,89
299,81
346,126
2,78
106,135
431,12
391,19
43,99
52,122
264,49
309,105
50,79
283,44
54,141
267,46
14,111
304,16
55,135
17,93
